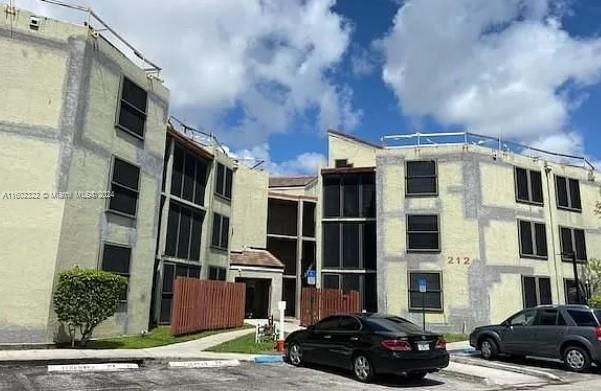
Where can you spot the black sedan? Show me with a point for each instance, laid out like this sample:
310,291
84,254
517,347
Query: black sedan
369,344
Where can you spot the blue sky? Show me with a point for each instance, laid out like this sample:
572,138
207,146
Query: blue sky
270,76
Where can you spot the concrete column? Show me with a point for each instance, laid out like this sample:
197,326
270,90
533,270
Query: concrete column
299,255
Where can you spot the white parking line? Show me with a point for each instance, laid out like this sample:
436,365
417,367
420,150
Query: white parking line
91,367
204,364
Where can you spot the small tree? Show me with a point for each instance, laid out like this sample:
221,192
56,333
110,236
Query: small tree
86,297
592,273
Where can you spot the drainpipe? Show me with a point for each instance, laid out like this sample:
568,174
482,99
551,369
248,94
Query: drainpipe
553,253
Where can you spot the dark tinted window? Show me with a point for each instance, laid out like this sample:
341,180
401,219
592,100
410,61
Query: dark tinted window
217,273
536,291
223,185
350,245
220,233
422,233
309,219
341,163
583,318
368,195
330,281
331,238
330,323
568,193
124,185
521,176
282,217
184,230
369,246
351,282
432,298
116,259
536,184
391,324
188,179
350,195
132,111
546,318
544,287
331,194
348,323
421,178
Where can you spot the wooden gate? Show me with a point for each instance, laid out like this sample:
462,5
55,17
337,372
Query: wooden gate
316,304
206,305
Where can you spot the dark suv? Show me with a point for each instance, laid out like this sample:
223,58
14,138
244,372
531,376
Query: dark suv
568,332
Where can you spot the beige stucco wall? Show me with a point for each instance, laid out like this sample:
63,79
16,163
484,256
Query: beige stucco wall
58,123
358,154
249,209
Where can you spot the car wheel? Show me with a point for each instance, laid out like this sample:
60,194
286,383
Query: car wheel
295,354
362,368
416,376
576,359
488,349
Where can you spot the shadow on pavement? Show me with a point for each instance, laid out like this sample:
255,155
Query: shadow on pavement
542,363
381,380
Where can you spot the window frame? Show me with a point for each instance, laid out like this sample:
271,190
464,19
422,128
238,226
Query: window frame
120,103
193,211
435,176
362,182
407,233
582,289
529,187
573,237
533,238
198,161
569,194
439,291
221,217
223,195
537,288
112,182
217,269
100,266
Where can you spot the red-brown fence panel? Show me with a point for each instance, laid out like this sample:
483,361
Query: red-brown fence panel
206,305
316,304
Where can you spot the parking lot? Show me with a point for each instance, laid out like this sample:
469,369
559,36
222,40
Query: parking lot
250,376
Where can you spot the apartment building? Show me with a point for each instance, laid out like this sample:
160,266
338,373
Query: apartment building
292,233
82,129
486,228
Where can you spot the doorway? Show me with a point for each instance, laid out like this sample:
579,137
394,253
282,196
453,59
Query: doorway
258,293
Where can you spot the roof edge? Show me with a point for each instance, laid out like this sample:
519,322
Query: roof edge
354,138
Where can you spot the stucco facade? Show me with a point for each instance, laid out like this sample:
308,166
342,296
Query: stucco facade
479,259
61,96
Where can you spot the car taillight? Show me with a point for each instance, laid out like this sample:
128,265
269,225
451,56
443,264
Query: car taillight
598,333
441,343
397,345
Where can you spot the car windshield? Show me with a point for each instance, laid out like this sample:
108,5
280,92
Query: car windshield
391,324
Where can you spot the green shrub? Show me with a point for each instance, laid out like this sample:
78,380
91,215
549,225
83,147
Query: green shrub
86,297
595,301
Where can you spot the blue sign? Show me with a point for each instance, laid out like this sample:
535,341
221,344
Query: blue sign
310,276
421,284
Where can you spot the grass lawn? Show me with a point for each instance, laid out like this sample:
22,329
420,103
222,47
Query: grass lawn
244,344
156,337
455,337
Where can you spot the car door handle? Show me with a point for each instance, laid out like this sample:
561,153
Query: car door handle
354,338
327,336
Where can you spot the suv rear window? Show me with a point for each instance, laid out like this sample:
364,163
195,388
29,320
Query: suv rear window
583,318
598,315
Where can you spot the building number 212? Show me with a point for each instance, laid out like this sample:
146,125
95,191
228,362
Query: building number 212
459,260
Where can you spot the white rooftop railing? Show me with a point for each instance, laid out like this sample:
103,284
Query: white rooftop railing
420,139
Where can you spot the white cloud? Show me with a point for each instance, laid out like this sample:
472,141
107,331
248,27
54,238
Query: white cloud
498,67
307,163
267,58
363,61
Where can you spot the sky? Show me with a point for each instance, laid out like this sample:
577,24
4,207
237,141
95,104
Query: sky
269,77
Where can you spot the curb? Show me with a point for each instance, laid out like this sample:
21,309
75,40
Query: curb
510,368
465,376
269,358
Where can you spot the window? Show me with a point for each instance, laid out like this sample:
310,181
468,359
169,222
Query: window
364,283
330,281
431,300
342,163
170,272
536,291
223,187
533,239
583,318
348,323
221,231
217,273
309,219
132,110
116,259
422,233
420,178
528,186
184,231
124,185
524,318
568,193
349,195
571,293
548,317
285,250
572,242
282,217
189,176
349,245
330,323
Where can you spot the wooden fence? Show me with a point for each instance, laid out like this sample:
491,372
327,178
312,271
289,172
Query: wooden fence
316,304
206,305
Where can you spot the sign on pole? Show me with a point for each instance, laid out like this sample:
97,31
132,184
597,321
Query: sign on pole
311,277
